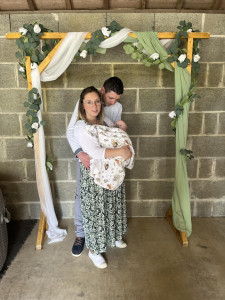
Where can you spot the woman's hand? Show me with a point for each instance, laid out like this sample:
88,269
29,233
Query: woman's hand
123,151
126,153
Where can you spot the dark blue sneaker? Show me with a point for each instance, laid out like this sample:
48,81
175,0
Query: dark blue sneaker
78,246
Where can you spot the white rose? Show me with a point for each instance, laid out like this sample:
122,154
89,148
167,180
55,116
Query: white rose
21,69
37,28
135,44
33,65
83,53
189,30
154,56
105,31
34,125
196,58
172,114
22,31
29,145
35,96
145,52
181,58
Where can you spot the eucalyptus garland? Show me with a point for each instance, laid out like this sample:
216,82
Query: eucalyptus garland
137,52
29,44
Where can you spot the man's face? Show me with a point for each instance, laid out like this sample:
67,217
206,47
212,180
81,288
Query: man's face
110,98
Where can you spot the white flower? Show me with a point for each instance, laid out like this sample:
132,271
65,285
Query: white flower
34,96
83,53
105,31
34,125
189,30
172,114
135,44
33,65
22,31
21,69
154,56
37,28
196,58
145,52
181,58
29,145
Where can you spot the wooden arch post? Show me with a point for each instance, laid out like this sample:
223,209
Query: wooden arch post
182,237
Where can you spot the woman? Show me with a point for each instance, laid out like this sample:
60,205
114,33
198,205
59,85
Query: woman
103,211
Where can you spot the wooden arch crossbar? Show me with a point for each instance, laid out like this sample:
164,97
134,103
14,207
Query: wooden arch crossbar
60,36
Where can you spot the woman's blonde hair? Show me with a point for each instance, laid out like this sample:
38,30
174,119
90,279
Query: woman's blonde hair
81,110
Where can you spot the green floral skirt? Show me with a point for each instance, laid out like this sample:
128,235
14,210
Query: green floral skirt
103,212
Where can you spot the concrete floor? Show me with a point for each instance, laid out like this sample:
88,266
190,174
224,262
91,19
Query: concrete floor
153,266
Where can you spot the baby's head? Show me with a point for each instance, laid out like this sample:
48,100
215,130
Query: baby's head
121,124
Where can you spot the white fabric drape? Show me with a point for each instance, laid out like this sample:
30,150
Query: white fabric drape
116,39
56,67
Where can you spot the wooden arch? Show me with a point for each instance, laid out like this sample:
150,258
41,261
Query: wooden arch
182,237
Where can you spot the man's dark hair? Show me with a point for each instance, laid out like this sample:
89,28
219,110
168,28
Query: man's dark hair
113,84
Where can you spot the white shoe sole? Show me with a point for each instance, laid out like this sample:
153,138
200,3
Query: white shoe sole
103,265
77,255
122,246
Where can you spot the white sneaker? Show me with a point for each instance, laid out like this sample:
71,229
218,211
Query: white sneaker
121,244
98,260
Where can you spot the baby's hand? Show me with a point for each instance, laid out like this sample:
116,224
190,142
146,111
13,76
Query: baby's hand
121,124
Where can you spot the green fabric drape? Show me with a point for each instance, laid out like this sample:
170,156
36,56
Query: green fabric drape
151,43
181,198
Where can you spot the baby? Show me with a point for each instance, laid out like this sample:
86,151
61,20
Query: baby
109,172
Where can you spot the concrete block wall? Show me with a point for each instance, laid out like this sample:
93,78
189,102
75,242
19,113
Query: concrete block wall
148,98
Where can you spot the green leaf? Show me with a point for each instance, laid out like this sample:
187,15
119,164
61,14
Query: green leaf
128,49
29,113
27,126
34,107
161,66
147,64
33,90
43,123
183,151
35,120
34,58
41,57
18,54
26,104
26,26
30,28
170,59
134,55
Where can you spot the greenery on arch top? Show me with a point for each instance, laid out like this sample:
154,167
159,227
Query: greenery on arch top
29,44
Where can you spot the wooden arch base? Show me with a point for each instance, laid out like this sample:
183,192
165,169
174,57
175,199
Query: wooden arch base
42,228
182,237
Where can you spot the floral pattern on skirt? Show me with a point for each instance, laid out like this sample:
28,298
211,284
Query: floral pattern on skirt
103,212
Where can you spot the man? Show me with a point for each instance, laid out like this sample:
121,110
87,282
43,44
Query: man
111,91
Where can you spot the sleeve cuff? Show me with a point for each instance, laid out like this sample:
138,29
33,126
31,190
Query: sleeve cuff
78,151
